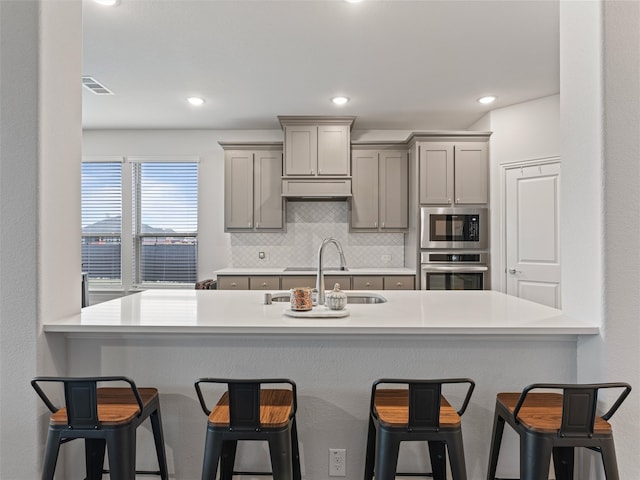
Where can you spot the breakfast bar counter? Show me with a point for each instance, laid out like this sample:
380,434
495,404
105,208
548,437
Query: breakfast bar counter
169,338
244,312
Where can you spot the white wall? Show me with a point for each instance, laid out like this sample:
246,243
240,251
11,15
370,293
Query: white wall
601,176
526,131
40,134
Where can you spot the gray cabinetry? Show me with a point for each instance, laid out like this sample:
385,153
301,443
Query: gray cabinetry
286,282
316,146
380,188
253,187
453,173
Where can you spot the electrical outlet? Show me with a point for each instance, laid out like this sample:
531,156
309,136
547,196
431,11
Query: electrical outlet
262,255
337,462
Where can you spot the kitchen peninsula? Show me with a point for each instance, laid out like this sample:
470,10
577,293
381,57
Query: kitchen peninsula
169,338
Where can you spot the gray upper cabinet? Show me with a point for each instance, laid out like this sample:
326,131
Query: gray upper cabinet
253,188
454,173
317,146
380,185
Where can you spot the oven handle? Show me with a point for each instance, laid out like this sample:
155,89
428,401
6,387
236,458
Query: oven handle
455,268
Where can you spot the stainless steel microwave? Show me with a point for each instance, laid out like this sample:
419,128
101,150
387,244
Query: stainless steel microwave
454,228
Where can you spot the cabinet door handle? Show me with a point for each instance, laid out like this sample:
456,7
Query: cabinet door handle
398,284
375,224
264,284
234,284
312,171
457,200
257,224
382,224
249,224
368,284
448,200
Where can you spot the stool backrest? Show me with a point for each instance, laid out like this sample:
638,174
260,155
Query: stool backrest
424,399
81,398
579,405
244,399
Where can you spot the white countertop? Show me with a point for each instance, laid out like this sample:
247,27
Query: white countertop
329,271
407,312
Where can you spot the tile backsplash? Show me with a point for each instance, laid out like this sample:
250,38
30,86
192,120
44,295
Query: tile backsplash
308,223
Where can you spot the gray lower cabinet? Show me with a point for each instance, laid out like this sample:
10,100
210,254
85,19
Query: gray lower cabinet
264,282
286,282
399,282
233,282
367,282
253,188
293,281
380,187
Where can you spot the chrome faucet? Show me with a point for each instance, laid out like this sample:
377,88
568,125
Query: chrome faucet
320,278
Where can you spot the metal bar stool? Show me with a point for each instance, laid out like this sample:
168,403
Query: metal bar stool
246,411
417,412
106,417
553,424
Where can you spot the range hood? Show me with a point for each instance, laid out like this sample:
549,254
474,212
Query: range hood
306,188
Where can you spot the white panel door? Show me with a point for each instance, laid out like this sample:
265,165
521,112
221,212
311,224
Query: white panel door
532,233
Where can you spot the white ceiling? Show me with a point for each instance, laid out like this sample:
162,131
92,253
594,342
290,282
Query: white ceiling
409,65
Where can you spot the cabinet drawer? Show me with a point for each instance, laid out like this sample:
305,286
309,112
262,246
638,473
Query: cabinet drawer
231,282
295,281
367,283
343,280
264,283
399,282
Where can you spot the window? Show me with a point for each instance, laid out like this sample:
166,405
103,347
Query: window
140,223
165,222
102,222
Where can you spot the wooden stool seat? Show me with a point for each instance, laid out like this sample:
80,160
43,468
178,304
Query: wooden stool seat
392,406
551,425
542,412
275,409
115,405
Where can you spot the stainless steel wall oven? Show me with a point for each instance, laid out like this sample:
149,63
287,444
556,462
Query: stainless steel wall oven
454,270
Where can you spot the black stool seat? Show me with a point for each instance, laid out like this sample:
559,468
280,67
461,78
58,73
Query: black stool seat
106,417
553,424
246,411
417,412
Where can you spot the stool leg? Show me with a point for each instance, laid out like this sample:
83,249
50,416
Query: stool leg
158,438
456,456
609,462
51,454
212,452
563,463
387,448
94,457
228,459
280,453
295,448
535,457
437,452
371,451
496,440
121,450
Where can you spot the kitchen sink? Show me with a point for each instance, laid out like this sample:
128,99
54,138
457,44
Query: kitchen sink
352,298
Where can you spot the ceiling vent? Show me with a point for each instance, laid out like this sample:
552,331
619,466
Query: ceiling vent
95,86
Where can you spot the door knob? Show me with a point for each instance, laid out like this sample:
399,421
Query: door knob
513,271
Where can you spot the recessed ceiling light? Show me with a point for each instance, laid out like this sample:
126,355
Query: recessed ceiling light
340,100
197,101
353,1
487,100
108,3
